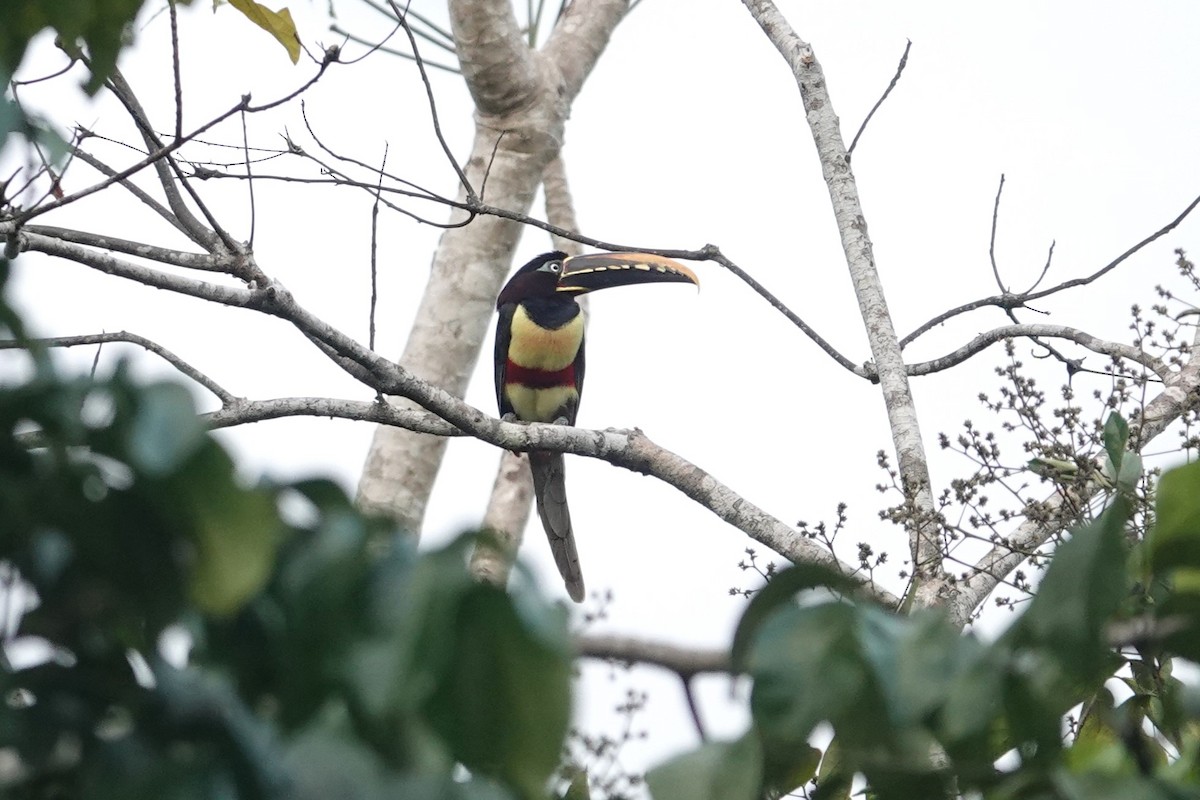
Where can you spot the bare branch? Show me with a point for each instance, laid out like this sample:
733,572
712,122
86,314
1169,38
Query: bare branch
133,189
437,125
580,36
391,51
131,338
1011,301
157,155
891,85
683,661
163,255
27,239
930,579
992,240
633,451
244,412
165,168
1096,345
693,708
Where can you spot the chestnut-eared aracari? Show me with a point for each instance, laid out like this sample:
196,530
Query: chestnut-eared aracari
539,363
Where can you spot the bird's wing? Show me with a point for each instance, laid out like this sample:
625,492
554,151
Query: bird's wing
503,339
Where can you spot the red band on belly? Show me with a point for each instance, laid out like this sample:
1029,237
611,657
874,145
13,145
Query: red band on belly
539,378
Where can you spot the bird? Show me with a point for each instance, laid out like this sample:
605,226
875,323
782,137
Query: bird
540,364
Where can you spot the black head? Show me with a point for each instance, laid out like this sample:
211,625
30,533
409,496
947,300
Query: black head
538,278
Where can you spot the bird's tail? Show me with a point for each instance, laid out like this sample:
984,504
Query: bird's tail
550,489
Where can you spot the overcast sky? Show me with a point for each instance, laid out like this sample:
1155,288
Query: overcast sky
690,131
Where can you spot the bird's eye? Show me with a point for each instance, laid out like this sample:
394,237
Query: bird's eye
556,266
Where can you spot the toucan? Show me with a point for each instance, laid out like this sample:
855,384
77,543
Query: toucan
539,364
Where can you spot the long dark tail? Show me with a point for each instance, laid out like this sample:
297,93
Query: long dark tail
550,489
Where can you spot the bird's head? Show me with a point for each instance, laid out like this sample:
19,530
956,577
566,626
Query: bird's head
557,274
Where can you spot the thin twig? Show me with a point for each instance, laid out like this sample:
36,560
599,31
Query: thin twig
1036,332
992,240
175,69
445,34
683,661
391,51
892,85
249,179
437,125
693,708
133,189
101,339
419,192
1018,300
374,242
1045,268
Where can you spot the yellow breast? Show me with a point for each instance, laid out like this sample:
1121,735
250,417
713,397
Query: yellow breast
536,347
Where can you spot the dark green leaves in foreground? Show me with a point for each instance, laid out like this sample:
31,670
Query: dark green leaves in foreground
920,710
328,659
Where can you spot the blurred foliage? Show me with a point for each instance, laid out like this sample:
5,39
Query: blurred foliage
328,658
100,26
1075,701
95,32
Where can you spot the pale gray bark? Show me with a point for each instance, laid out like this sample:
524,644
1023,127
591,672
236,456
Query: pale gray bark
930,581
525,95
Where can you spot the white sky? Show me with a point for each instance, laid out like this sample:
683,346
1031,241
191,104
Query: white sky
689,131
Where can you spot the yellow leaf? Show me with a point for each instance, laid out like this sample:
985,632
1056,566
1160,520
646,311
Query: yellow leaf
277,23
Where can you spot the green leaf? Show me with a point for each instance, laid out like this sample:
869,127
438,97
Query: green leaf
165,429
1083,587
1097,785
714,771
102,26
277,23
834,778
326,760
1175,540
974,704
235,531
927,655
782,590
578,789
1180,616
502,701
806,668
1116,439
1098,745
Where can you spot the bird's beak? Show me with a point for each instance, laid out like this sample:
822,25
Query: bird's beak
593,271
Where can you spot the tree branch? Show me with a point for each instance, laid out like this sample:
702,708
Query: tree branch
631,450
891,85
684,661
1082,338
1011,301
498,66
929,577
132,338
579,37
163,255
